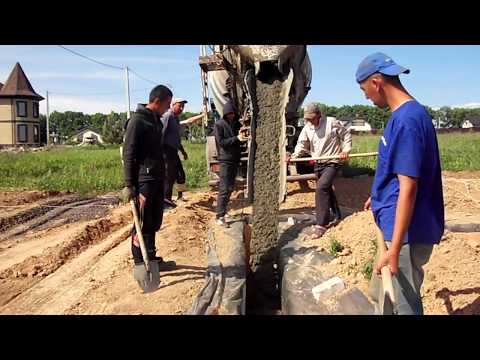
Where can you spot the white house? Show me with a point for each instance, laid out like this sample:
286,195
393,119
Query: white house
472,122
87,136
358,125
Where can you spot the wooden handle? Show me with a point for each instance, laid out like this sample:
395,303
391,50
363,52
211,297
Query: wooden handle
385,271
138,228
334,157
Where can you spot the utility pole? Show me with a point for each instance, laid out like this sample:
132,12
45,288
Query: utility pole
127,92
48,119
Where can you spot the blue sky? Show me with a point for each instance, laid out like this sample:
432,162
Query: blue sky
440,75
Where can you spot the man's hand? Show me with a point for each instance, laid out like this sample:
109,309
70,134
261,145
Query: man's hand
389,259
343,156
288,157
242,137
128,193
185,155
368,204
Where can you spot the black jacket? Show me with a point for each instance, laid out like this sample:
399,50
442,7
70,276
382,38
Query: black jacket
228,145
142,148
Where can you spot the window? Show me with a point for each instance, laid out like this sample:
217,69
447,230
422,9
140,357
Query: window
35,109
22,133
22,108
36,133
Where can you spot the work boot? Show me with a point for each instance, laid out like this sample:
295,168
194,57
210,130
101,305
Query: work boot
168,204
164,265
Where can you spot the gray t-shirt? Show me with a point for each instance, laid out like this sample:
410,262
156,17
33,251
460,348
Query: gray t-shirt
171,130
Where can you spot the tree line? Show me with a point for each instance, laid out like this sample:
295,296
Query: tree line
66,124
445,116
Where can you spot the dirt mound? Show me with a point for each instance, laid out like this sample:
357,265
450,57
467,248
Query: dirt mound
23,275
14,198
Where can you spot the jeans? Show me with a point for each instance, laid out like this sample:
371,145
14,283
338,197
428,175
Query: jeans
408,281
228,173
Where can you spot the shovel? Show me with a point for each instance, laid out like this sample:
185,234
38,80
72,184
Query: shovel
387,297
147,274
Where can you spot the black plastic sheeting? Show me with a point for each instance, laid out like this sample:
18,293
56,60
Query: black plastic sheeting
301,271
224,292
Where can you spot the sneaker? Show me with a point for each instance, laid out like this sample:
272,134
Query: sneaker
317,231
221,221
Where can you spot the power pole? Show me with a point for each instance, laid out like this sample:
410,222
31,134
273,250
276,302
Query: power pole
48,118
127,92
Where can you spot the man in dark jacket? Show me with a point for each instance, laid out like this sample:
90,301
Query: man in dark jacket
227,140
144,170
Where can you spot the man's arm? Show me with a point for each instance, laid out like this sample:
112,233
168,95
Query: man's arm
130,152
346,140
192,119
303,145
223,141
403,216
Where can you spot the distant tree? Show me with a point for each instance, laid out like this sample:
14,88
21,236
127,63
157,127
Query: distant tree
112,131
43,129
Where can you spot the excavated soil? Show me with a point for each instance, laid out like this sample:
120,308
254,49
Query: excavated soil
85,266
452,276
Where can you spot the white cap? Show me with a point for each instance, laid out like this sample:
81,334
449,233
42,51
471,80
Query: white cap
179,100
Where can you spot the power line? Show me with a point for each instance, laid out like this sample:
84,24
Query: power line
95,94
88,58
113,67
141,77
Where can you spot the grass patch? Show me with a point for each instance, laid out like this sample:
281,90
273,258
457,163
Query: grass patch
335,247
85,170
97,169
458,152
367,269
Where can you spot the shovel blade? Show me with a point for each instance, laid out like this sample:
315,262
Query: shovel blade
147,280
387,307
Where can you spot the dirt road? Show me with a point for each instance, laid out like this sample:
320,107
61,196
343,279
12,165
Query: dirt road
61,254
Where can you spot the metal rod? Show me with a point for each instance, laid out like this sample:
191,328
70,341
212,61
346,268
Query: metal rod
333,157
48,121
127,91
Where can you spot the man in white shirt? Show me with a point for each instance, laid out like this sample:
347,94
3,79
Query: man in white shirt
323,136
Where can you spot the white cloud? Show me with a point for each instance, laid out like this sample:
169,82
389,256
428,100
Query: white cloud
105,75
145,60
88,106
472,105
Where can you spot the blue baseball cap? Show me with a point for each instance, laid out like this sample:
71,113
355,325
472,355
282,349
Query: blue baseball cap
381,63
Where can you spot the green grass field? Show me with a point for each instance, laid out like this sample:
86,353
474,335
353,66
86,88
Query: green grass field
457,151
85,170
98,170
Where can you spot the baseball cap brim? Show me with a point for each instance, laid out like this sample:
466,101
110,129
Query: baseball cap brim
394,70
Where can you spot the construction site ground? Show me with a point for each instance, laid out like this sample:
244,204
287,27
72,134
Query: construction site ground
63,254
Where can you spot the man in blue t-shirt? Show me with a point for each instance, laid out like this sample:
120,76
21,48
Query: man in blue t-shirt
407,197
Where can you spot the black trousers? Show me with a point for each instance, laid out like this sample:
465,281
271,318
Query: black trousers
325,198
181,178
173,170
228,173
151,217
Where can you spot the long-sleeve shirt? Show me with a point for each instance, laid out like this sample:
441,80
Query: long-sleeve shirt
329,138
